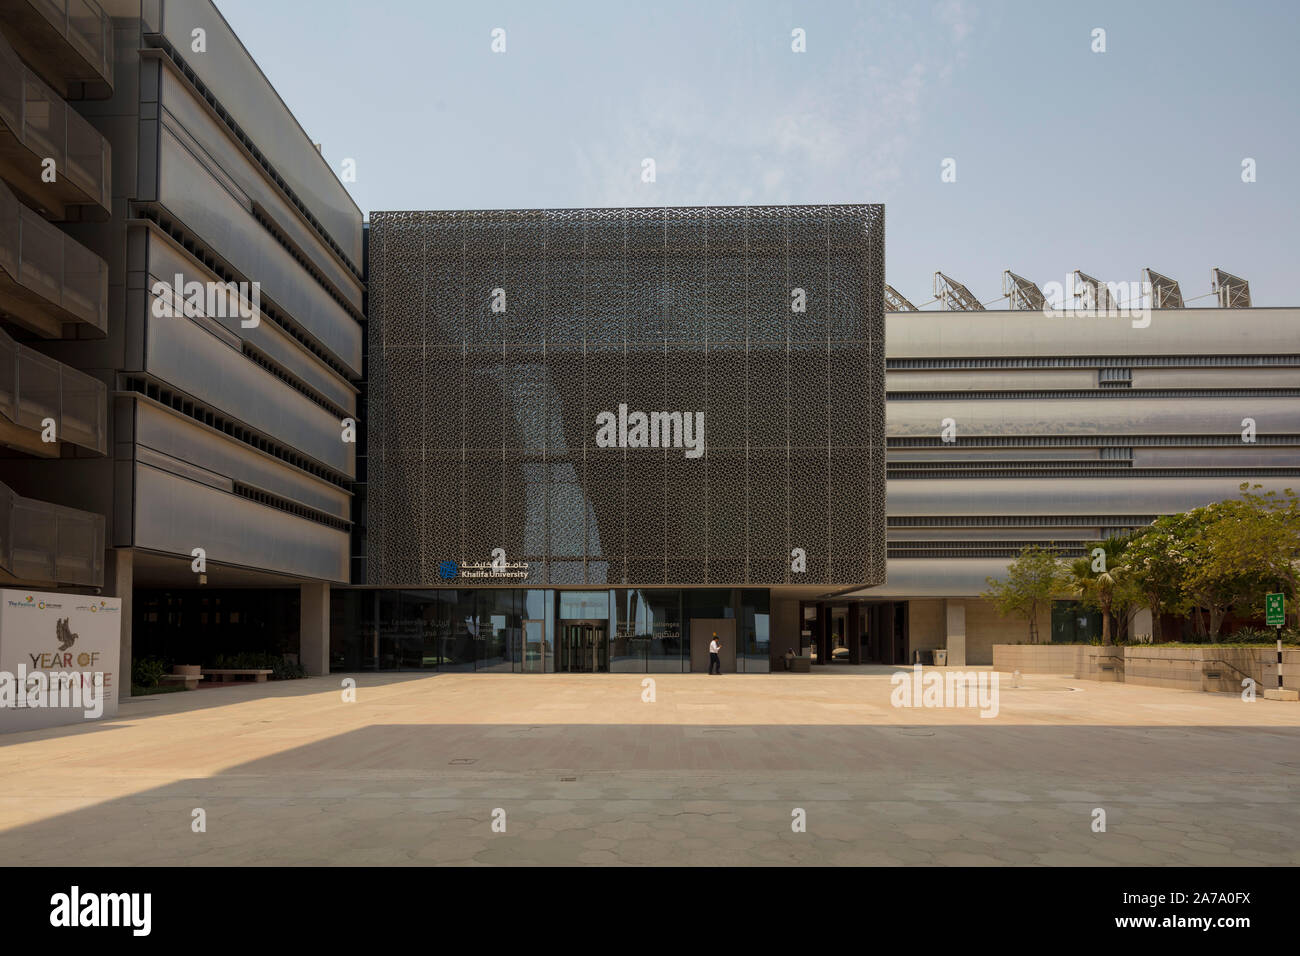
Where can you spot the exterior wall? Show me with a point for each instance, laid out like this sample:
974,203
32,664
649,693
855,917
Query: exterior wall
784,629
650,310
52,288
222,437
985,627
235,80
1068,430
925,626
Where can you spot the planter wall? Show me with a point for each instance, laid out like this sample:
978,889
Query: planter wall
1212,669
1039,658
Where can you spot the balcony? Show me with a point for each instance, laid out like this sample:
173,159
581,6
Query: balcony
48,544
35,125
34,387
68,42
48,280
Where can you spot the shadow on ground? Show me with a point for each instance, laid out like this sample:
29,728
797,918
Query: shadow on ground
694,794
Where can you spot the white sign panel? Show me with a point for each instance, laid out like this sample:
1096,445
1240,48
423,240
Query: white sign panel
59,659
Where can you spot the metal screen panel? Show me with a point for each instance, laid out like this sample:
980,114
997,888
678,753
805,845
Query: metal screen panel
499,338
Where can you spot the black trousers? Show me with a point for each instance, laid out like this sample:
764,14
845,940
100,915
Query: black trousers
715,661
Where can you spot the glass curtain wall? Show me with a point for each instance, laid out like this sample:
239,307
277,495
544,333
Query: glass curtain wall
754,640
1072,623
540,631
647,632
497,631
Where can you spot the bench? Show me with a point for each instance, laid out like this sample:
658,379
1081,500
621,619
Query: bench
222,674
191,680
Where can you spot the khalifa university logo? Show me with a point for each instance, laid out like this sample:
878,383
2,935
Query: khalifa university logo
498,567
651,430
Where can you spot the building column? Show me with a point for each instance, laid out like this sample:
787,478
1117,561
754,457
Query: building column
892,650
314,627
784,633
119,582
823,634
854,625
1141,624
954,615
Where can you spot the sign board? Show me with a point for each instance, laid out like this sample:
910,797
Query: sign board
59,658
1275,610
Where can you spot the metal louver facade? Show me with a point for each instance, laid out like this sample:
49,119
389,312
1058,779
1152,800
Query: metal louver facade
498,338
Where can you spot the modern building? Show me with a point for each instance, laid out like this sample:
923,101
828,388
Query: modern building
1008,427
184,298
598,437
567,440
1005,428
55,170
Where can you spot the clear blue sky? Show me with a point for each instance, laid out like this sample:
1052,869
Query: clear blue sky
1065,158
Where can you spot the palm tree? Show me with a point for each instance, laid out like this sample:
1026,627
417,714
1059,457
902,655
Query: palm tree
1095,578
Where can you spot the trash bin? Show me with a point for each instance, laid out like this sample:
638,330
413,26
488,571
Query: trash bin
920,656
940,657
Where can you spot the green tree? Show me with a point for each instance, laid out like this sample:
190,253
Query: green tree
1241,549
1097,579
1128,600
1033,579
1156,559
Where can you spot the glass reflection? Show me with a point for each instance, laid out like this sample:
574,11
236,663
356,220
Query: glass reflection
647,632
541,630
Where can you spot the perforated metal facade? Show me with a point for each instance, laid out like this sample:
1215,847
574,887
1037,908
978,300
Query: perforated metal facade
497,338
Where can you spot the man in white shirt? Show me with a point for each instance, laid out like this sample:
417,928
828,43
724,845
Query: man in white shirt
714,660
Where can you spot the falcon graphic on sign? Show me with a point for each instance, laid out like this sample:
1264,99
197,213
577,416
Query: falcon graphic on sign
64,634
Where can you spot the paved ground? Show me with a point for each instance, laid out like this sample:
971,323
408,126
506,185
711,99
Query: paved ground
709,773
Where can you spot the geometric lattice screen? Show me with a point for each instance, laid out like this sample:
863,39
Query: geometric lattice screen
510,354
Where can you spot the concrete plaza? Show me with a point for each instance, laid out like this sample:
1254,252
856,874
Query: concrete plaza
710,773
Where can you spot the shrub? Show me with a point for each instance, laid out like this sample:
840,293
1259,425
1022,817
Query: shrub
281,667
284,669
1261,635
149,671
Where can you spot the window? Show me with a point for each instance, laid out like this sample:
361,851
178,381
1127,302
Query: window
1072,623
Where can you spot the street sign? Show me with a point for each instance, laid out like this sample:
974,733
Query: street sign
1275,610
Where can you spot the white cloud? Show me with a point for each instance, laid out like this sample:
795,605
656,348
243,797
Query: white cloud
761,138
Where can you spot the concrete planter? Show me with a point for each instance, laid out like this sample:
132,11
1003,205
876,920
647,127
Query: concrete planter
188,674
1103,663
1218,670
1212,669
1039,658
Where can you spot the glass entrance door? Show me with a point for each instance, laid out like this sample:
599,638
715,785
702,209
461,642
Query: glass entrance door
583,647
534,649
